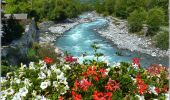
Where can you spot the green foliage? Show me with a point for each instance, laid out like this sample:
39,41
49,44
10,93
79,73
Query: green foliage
155,19
6,69
162,40
121,8
12,30
136,20
47,9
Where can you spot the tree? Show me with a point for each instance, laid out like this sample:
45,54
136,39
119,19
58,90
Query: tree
155,19
136,19
121,8
12,30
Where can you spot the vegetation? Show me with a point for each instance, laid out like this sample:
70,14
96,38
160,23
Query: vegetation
162,40
136,20
155,20
47,79
46,9
12,30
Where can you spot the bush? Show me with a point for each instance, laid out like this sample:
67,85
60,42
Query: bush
162,40
136,20
121,8
155,19
7,69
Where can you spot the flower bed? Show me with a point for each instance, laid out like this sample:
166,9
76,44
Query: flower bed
92,80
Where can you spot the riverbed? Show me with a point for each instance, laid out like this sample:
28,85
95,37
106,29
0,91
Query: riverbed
79,38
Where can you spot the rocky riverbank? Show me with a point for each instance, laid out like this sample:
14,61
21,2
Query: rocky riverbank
117,32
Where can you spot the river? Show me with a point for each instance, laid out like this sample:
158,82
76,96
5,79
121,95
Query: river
78,40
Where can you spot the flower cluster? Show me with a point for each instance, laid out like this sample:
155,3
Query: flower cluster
47,80
37,81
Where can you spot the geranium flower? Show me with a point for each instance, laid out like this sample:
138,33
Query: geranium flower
60,98
101,96
112,85
76,96
157,90
103,72
155,69
141,86
70,59
48,60
136,61
85,84
76,85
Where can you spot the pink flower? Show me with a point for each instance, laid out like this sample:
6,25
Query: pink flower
85,84
136,61
70,59
112,85
103,72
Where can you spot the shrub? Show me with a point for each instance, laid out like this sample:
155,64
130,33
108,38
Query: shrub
136,20
155,19
162,40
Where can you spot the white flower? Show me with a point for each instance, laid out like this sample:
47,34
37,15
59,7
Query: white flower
167,95
55,84
9,91
107,71
23,66
3,94
48,81
38,97
65,67
23,91
135,66
57,71
44,85
31,65
53,67
21,74
152,90
17,96
27,82
41,75
18,81
44,67
8,74
49,73
3,80
140,97
61,76
41,62
34,93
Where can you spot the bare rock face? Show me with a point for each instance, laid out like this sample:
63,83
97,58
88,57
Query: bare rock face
19,48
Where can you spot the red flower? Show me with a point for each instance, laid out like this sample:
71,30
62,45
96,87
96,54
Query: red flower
60,98
48,60
155,69
70,59
91,70
157,90
136,61
84,84
101,96
103,72
76,96
112,85
141,86
76,85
